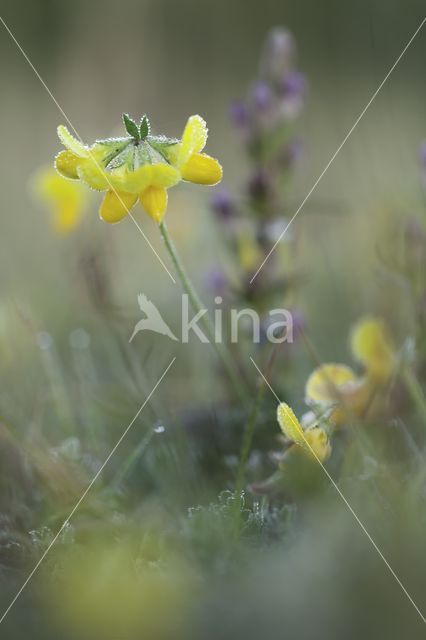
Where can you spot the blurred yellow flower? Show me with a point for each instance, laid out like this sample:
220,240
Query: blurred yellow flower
327,382
314,440
337,388
139,166
111,591
66,200
249,253
319,442
372,346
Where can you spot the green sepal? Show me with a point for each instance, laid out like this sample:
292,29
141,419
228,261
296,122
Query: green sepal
123,157
144,128
131,127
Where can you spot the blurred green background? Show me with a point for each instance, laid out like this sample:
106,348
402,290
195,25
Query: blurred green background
170,59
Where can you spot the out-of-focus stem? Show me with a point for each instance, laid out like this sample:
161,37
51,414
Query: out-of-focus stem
416,392
197,306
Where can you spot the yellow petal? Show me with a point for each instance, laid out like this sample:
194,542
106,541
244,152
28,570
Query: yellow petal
372,346
66,163
163,175
94,176
290,425
194,139
317,441
115,206
71,143
202,169
325,383
156,175
154,201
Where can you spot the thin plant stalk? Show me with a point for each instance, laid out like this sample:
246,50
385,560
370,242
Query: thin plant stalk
134,457
221,350
251,425
248,438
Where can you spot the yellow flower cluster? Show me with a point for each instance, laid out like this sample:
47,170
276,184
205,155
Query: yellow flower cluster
140,167
336,388
334,391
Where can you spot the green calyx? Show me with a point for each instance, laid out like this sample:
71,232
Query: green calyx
137,149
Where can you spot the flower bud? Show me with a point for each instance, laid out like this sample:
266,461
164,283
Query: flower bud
279,52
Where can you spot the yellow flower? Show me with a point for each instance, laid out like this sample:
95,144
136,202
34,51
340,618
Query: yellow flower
337,388
140,166
314,441
328,382
66,200
319,442
372,346
248,251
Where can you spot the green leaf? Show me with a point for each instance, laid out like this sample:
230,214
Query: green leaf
131,127
144,128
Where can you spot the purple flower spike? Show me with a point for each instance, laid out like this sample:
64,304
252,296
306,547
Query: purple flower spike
239,114
223,204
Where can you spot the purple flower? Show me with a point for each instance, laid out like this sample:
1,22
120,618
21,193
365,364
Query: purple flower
262,95
294,85
239,114
216,282
293,89
223,204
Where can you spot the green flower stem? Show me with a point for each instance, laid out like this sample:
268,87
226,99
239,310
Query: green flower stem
197,306
415,390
